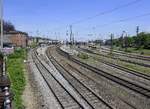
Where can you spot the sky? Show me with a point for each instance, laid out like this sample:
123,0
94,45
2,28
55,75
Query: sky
51,18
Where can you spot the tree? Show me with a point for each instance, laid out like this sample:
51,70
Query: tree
8,26
140,41
130,41
144,40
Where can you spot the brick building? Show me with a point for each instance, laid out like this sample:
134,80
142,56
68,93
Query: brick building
16,38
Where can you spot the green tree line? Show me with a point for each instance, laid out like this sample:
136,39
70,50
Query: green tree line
142,40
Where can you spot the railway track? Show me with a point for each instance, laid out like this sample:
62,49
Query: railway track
136,73
136,77
92,84
133,62
147,58
64,98
92,99
139,74
139,89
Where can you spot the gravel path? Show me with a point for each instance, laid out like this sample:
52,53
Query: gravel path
30,95
40,97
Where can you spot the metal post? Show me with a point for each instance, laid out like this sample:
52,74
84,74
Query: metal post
123,42
1,4
137,31
100,40
137,34
126,42
4,67
111,50
71,35
56,36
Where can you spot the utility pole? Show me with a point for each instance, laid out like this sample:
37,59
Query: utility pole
1,12
5,82
111,39
67,36
71,41
100,40
126,42
94,33
58,36
137,31
55,35
122,39
47,35
137,34
38,35
1,48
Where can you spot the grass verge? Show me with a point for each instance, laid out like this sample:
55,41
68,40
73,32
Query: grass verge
15,67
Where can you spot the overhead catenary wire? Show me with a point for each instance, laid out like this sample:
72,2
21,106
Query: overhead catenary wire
124,20
101,14
120,21
106,12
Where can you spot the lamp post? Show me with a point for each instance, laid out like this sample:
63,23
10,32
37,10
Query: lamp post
1,47
1,15
4,80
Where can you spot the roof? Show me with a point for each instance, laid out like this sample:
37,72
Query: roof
16,32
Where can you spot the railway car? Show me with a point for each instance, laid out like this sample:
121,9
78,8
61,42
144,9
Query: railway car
91,45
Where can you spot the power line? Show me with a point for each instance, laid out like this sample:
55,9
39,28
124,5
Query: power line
123,20
102,13
106,12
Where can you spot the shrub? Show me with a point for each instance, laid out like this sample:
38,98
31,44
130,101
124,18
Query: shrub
83,56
